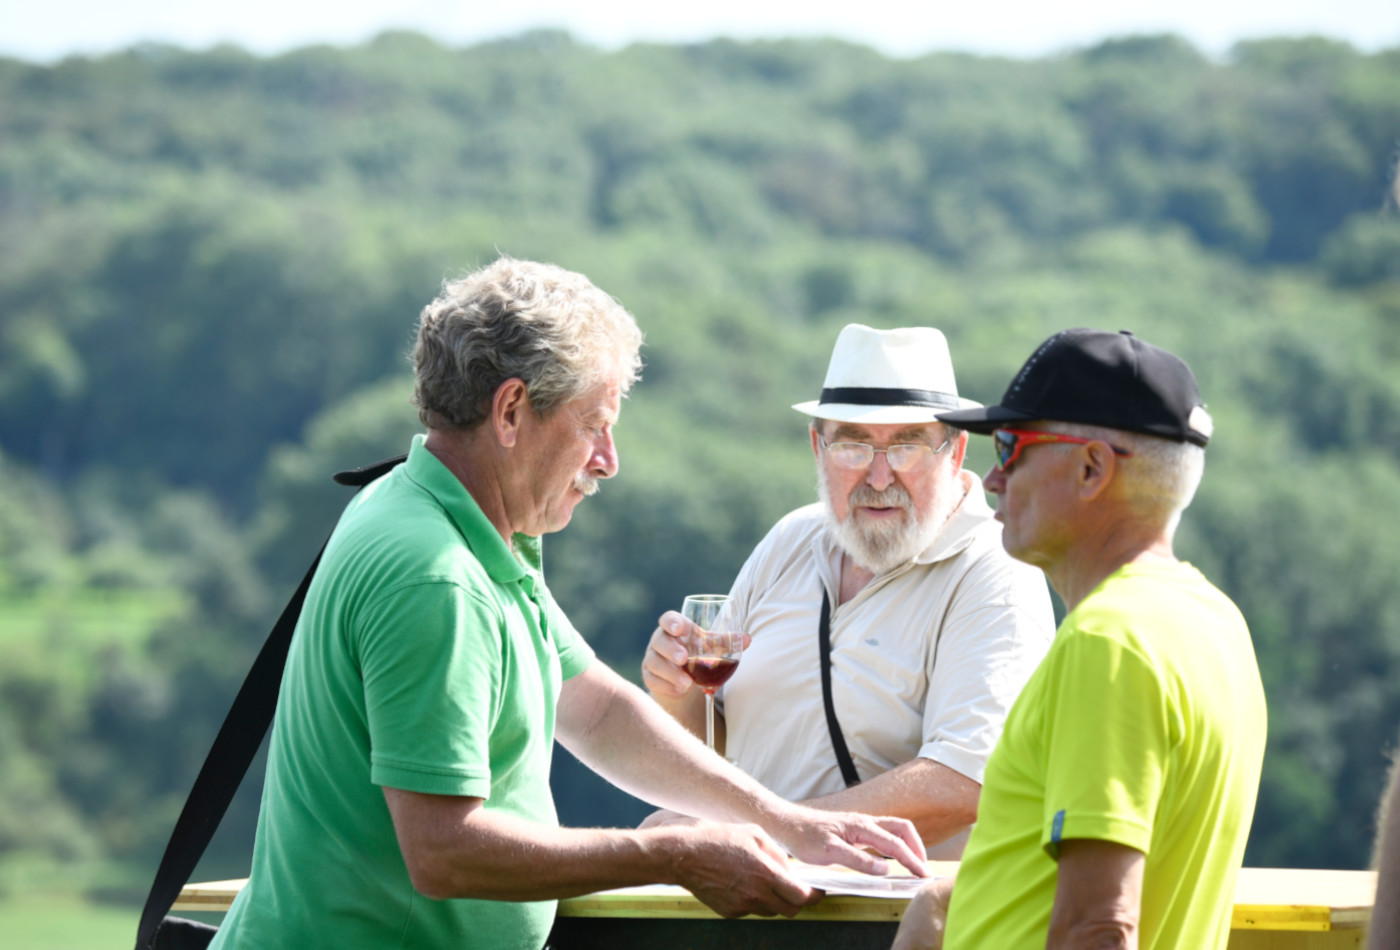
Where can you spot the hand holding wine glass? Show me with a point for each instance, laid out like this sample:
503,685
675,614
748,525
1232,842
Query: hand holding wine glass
713,655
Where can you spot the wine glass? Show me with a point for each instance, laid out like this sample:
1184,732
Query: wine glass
713,655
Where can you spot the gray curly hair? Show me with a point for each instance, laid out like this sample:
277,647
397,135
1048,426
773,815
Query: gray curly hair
549,327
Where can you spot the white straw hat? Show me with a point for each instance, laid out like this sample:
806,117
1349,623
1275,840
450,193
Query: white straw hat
881,377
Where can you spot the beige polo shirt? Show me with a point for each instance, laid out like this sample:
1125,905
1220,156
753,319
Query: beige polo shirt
926,660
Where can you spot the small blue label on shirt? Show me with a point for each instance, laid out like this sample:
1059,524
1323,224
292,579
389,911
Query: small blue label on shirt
1057,826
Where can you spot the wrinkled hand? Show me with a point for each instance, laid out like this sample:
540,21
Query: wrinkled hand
737,870
925,918
663,666
840,837
664,816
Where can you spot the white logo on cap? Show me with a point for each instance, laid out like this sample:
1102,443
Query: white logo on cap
1200,421
1030,363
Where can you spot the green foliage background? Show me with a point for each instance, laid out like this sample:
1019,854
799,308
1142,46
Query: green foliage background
211,264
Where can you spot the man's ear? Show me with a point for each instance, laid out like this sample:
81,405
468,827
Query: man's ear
508,407
1097,469
959,450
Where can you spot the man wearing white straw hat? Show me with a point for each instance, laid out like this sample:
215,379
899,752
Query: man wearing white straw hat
890,632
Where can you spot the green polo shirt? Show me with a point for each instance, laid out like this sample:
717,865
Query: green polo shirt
428,658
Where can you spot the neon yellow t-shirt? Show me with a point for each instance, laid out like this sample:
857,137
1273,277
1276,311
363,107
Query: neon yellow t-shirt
1145,726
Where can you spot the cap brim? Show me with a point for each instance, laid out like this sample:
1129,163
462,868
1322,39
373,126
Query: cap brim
984,419
876,415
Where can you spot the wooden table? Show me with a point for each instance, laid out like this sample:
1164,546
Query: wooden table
1275,909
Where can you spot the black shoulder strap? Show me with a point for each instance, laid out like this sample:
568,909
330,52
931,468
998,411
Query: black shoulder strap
234,747
838,741
362,476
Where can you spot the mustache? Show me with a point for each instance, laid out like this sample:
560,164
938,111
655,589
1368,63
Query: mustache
585,485
893,497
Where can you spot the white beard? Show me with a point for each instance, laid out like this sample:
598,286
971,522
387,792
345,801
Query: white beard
879,546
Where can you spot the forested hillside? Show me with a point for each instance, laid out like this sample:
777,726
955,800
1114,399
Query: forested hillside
211,264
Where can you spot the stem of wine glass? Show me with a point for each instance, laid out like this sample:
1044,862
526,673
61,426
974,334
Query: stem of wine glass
710,720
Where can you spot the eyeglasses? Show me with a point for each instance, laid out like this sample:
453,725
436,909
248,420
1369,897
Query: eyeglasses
902,457
1009,443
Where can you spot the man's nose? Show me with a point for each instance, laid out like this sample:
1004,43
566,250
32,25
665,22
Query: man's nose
604,463
994,481
879,475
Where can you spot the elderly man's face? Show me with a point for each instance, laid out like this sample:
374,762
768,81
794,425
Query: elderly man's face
565,454
881,517
1033,495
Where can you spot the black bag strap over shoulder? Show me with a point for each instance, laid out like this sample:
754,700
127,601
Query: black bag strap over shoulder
833,725
234,747
362,476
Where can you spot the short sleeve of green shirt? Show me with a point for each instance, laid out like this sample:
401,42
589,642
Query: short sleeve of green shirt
431,699
1108,743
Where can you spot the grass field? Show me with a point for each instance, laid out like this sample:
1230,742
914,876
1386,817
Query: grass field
67,923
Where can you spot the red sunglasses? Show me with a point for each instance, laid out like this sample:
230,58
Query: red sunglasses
1009,443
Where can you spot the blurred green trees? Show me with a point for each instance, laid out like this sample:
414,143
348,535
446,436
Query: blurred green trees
211,264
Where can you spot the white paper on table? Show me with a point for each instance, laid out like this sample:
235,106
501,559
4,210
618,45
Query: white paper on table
839,880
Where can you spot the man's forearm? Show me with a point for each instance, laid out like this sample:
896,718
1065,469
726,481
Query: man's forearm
619,732
1385,914
453,847
926,918
940,801
615,729
1098,896
492,856
689,711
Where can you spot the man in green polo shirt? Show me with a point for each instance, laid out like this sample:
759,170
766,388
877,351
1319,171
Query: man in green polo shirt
407,798
1118,801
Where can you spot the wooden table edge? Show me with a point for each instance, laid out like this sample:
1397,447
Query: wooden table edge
218,897
684,906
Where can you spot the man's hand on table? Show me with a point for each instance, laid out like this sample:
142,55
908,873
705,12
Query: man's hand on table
823,837
841,837
925,917
735,869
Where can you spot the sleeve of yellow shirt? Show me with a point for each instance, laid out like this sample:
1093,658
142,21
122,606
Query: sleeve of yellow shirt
1109,741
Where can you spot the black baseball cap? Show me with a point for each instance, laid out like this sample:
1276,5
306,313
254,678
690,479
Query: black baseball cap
1098,378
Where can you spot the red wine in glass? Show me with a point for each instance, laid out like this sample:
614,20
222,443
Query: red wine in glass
713,657
710,672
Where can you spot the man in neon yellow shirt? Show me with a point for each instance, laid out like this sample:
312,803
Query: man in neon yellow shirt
1117,804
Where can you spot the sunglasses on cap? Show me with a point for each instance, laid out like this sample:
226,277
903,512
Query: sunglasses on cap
1008,443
